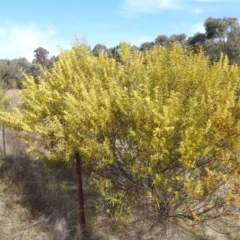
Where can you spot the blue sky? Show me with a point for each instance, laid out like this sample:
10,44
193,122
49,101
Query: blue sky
26,25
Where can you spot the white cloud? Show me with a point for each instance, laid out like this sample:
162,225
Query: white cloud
197,10
150,5
18,40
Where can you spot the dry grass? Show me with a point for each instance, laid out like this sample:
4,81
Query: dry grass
16,221
39,203
13,94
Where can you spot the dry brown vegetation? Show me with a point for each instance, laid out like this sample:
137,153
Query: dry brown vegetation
38,202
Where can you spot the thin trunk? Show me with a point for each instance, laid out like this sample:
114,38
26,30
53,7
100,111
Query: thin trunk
80,193
4,140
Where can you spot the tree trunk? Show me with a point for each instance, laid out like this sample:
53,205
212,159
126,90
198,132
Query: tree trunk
80,193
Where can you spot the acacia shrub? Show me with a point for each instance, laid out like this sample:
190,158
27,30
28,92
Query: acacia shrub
158,130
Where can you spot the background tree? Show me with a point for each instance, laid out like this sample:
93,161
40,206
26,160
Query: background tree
221,36
41,60
197,40
146,46
23,65
51,61
10,71
162,40
98,49
179,38
113,52
220,28
134,48
233,46
41,57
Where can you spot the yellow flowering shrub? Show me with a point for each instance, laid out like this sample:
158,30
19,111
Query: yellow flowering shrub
161,127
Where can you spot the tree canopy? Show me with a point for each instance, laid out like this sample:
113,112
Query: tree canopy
158,129
221,36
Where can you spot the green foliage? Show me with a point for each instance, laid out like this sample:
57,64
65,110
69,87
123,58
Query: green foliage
10,72
159,129
197,40
221,36
161,40
41,57
220,28
146,46
99,49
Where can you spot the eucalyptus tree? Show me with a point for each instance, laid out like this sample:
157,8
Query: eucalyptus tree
222,35
146,46
99,49
41,57
162,40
